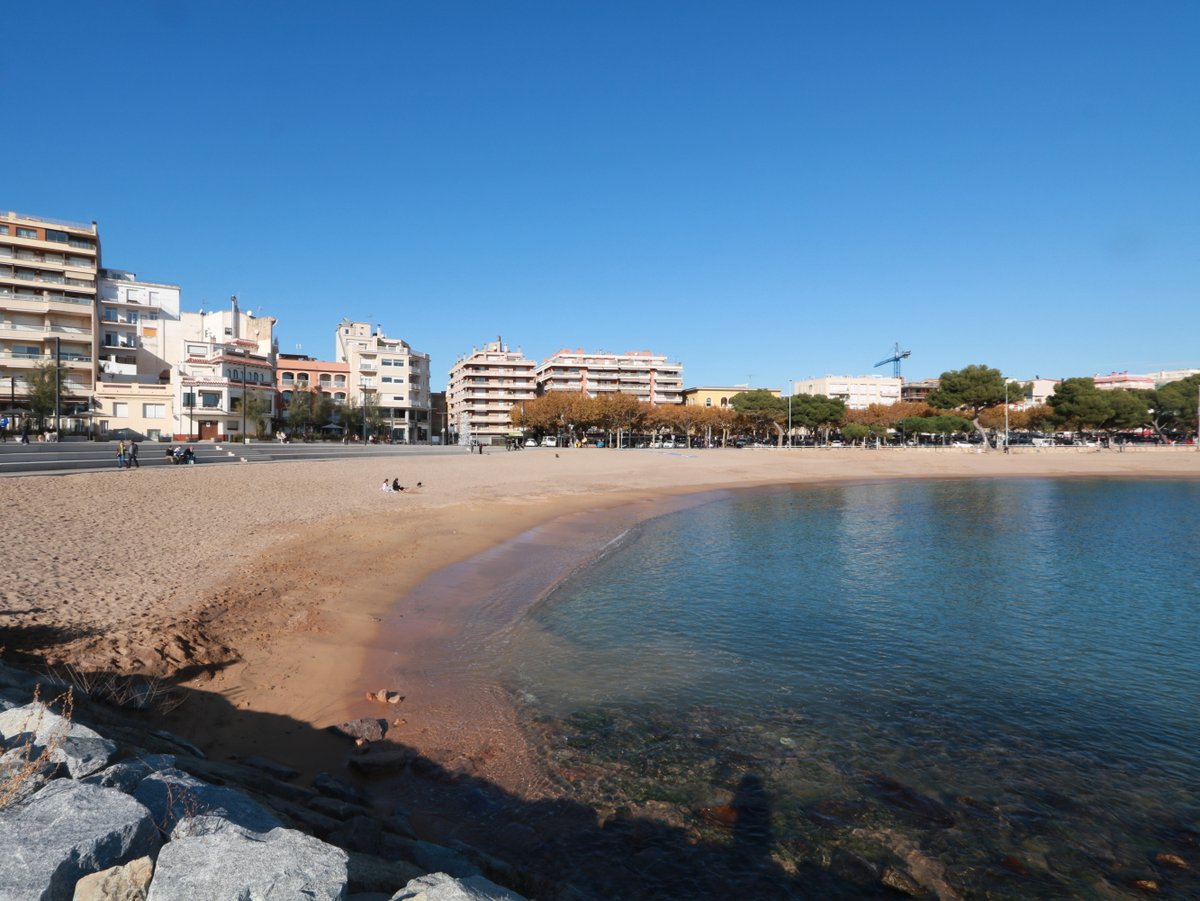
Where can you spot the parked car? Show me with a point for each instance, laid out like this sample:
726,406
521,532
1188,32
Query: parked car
531,442
549,441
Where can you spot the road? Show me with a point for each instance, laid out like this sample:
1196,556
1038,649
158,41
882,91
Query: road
82,456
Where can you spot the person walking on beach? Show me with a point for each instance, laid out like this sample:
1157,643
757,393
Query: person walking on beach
121,454
25,430
133,451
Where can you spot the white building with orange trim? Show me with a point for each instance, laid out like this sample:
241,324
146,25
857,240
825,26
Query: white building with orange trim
648,376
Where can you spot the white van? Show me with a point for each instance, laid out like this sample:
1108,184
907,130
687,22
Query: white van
549,441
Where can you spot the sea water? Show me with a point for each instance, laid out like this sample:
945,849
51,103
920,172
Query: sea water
981,686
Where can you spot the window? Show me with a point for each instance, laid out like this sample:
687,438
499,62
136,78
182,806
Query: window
120,409
53,235
3,229
154,411
26,232
210,399
197,349
132,317
189,399
708,401
110,315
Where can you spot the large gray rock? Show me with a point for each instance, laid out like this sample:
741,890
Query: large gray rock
442,887
173,796
223,862
66,831
81,749
23,772
127,775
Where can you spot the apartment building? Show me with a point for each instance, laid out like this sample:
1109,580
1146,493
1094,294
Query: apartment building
388,373
133,370
857,392
302,373
484,387
48,270
222,371
646,375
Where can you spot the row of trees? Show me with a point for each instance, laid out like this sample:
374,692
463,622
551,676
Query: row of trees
967,399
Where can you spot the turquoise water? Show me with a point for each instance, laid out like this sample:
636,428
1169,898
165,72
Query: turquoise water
989,686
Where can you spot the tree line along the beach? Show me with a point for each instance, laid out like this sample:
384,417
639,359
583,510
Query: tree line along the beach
974,399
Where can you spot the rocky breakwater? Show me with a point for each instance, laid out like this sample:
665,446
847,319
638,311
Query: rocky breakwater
139,814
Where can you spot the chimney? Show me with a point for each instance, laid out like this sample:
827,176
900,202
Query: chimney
236,325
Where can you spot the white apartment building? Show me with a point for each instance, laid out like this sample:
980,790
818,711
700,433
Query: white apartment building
857,392
218,360
389,373
484,387
648,376
48,273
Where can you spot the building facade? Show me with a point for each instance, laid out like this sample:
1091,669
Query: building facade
48,271
484,387
648,376
857,392
222,373
133,363
317,378
388,373
719,397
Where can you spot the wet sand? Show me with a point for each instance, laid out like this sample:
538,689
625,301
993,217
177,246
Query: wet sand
286,591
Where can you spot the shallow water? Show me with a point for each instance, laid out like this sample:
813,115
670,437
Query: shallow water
990,686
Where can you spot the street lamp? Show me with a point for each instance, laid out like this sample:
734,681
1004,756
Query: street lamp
362,385
1006,416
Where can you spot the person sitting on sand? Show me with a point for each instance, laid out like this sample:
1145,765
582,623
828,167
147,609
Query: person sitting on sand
386,486
396,486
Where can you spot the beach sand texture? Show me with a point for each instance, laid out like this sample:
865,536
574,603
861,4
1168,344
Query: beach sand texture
267,584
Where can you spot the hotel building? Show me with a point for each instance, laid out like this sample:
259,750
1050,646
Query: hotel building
856,392
646,375
484,387
386,372
298,372
47,311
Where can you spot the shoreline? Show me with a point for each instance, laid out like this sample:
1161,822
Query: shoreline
304,595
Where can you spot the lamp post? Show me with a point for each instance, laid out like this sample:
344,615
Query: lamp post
1006,416
243,401
362,385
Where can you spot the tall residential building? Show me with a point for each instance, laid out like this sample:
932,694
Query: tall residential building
857,392
133,368
218,361
47,301
389,373
484,387
646,375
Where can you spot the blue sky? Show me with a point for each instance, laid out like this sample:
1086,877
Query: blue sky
760,190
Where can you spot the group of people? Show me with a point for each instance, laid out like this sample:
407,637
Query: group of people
180,453
127,454
394,485
20,426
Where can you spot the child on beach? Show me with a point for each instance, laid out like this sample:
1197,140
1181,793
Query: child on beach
386,486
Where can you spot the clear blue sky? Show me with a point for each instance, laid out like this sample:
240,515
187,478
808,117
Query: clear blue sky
776,189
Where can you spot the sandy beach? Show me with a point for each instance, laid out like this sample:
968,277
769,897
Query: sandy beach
280,590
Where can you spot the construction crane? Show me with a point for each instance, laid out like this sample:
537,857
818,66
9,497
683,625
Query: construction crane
894,359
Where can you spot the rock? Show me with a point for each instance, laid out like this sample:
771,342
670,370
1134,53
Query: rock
441,887
81,749
1172,860
367,729
125,883
179,742
384,696
849,866
332,807
23,772
440,859
374,874
900,881
65,832
381,763
336,788
173,796
362,834
1146,885
226,862
127,775
271,768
